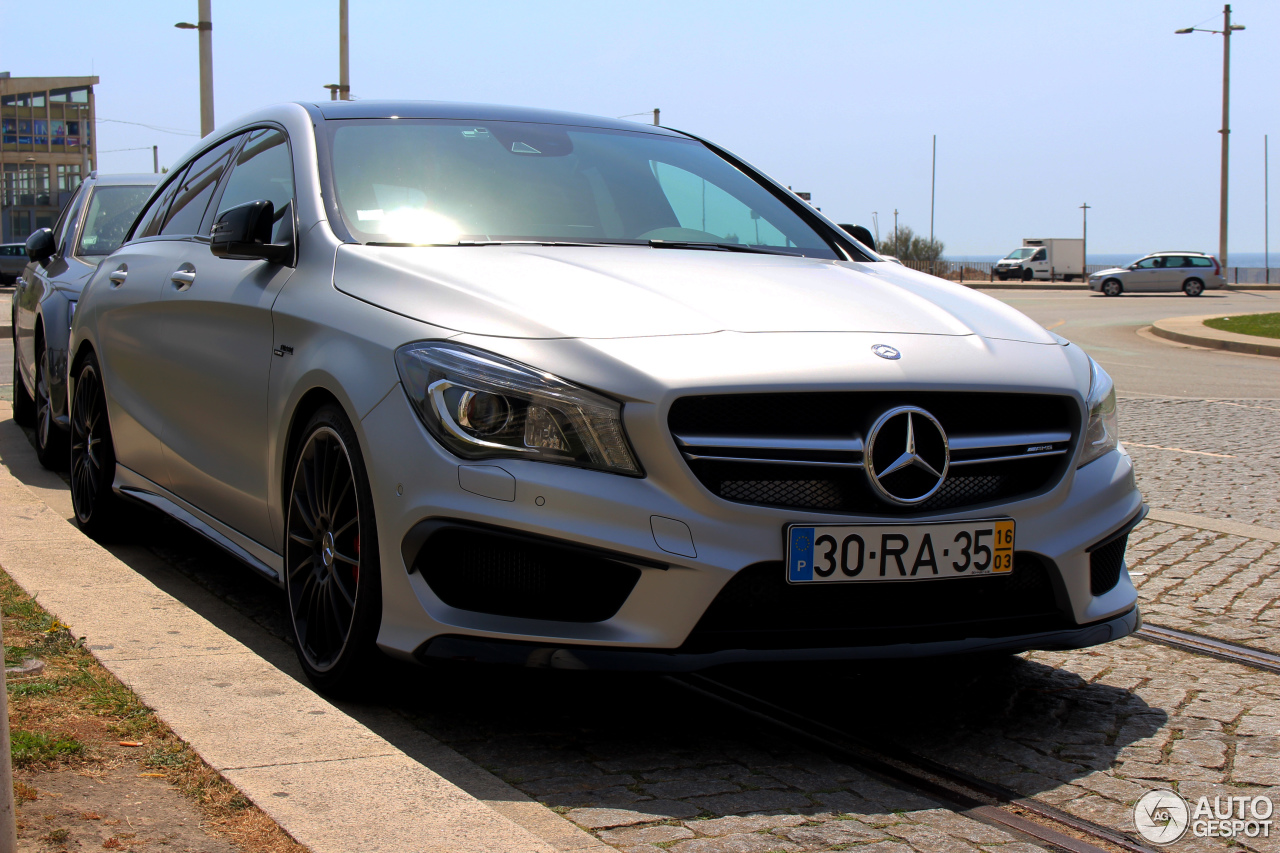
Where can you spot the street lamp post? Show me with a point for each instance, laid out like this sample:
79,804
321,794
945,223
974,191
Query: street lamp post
1084,243
1225,32
205,26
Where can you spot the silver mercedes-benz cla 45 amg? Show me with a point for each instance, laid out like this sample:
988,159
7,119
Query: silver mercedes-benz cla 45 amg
490,383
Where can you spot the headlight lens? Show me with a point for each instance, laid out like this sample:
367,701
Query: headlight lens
1101,435
481,405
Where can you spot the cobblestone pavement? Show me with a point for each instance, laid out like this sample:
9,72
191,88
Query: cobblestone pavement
1219,458
1215,584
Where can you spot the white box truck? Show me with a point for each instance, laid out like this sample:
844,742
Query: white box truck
1044,259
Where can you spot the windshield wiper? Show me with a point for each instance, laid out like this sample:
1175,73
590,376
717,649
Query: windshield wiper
716,247
547,243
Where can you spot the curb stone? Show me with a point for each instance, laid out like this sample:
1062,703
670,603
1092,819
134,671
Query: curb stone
1192,330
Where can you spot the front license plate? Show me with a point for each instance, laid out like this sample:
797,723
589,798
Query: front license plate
899,552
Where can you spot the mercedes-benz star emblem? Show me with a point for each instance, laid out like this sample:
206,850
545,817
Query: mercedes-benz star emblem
886,351
907,456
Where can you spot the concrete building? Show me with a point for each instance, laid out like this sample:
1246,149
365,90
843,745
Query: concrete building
48,142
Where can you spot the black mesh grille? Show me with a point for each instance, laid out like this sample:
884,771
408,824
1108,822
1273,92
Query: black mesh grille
510,575
758,609
822,415
1105,564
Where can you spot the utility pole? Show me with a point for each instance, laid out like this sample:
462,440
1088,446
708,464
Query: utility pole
933,183
655,109
205,26
155,158
1226,130
344,62
1084,244
895,234
1266,210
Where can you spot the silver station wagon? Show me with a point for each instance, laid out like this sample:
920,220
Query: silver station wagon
502,384
1167,272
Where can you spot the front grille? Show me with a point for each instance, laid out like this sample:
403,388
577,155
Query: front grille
805,450
1105,563
489,571
758,609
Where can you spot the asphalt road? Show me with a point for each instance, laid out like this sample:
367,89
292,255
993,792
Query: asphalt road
1145,366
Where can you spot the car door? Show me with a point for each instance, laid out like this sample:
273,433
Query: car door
1039,263
125,298
1144,276
1172,273
218,321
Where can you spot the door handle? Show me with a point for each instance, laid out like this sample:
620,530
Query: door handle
119,275
183,277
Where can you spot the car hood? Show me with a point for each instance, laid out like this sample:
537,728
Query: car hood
628,291
1111,271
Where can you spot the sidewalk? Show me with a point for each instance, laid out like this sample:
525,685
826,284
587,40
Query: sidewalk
326,778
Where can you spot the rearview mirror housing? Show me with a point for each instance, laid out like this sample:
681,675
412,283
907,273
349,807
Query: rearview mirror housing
244,233
41,246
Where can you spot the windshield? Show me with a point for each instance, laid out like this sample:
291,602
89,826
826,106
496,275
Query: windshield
1020,254
111,212
441,182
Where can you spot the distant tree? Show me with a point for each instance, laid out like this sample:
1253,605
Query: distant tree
907,245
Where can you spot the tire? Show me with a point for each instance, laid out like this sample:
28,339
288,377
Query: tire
24,406
1193,287
52,448
1112,287
1027,275
100,512
333,582
1001,276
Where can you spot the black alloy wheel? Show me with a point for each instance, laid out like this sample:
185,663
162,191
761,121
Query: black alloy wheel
1193,287
331,556
51,441
24,407
93,458
1027,275
1111,287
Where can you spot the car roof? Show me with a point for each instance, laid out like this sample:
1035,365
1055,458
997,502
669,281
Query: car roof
146,179
1175,252
339,110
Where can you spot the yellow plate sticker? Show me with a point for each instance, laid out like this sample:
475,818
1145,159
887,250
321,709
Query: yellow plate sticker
1003,548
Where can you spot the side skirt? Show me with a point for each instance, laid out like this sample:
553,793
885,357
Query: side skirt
133,485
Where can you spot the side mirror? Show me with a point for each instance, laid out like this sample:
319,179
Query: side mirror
861,234
244,233
41,246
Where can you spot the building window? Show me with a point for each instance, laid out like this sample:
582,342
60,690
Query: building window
68,177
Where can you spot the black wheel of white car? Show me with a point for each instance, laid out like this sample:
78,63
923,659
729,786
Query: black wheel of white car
51,441
93,455
24,407
1193,287
1111,287
331,555
1027,275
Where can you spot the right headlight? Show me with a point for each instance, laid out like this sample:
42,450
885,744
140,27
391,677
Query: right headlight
1100,435
480,405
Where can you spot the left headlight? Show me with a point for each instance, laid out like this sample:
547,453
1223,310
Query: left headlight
480,405
1100,436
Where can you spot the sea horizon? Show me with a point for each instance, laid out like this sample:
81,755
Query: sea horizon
1119,259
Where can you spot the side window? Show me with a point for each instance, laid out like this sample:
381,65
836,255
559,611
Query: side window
196,189
66,222
1147,263
153,217
1040,255
1172,262
263,170
111,212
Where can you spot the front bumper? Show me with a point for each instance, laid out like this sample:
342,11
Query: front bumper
416,482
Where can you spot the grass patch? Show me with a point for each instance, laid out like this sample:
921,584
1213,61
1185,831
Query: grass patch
1262,325
31,748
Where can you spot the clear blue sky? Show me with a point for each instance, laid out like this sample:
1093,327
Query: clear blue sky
1038,106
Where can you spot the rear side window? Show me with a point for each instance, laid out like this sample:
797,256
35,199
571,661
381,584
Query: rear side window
196,189
1173,261
1200,262
263,170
